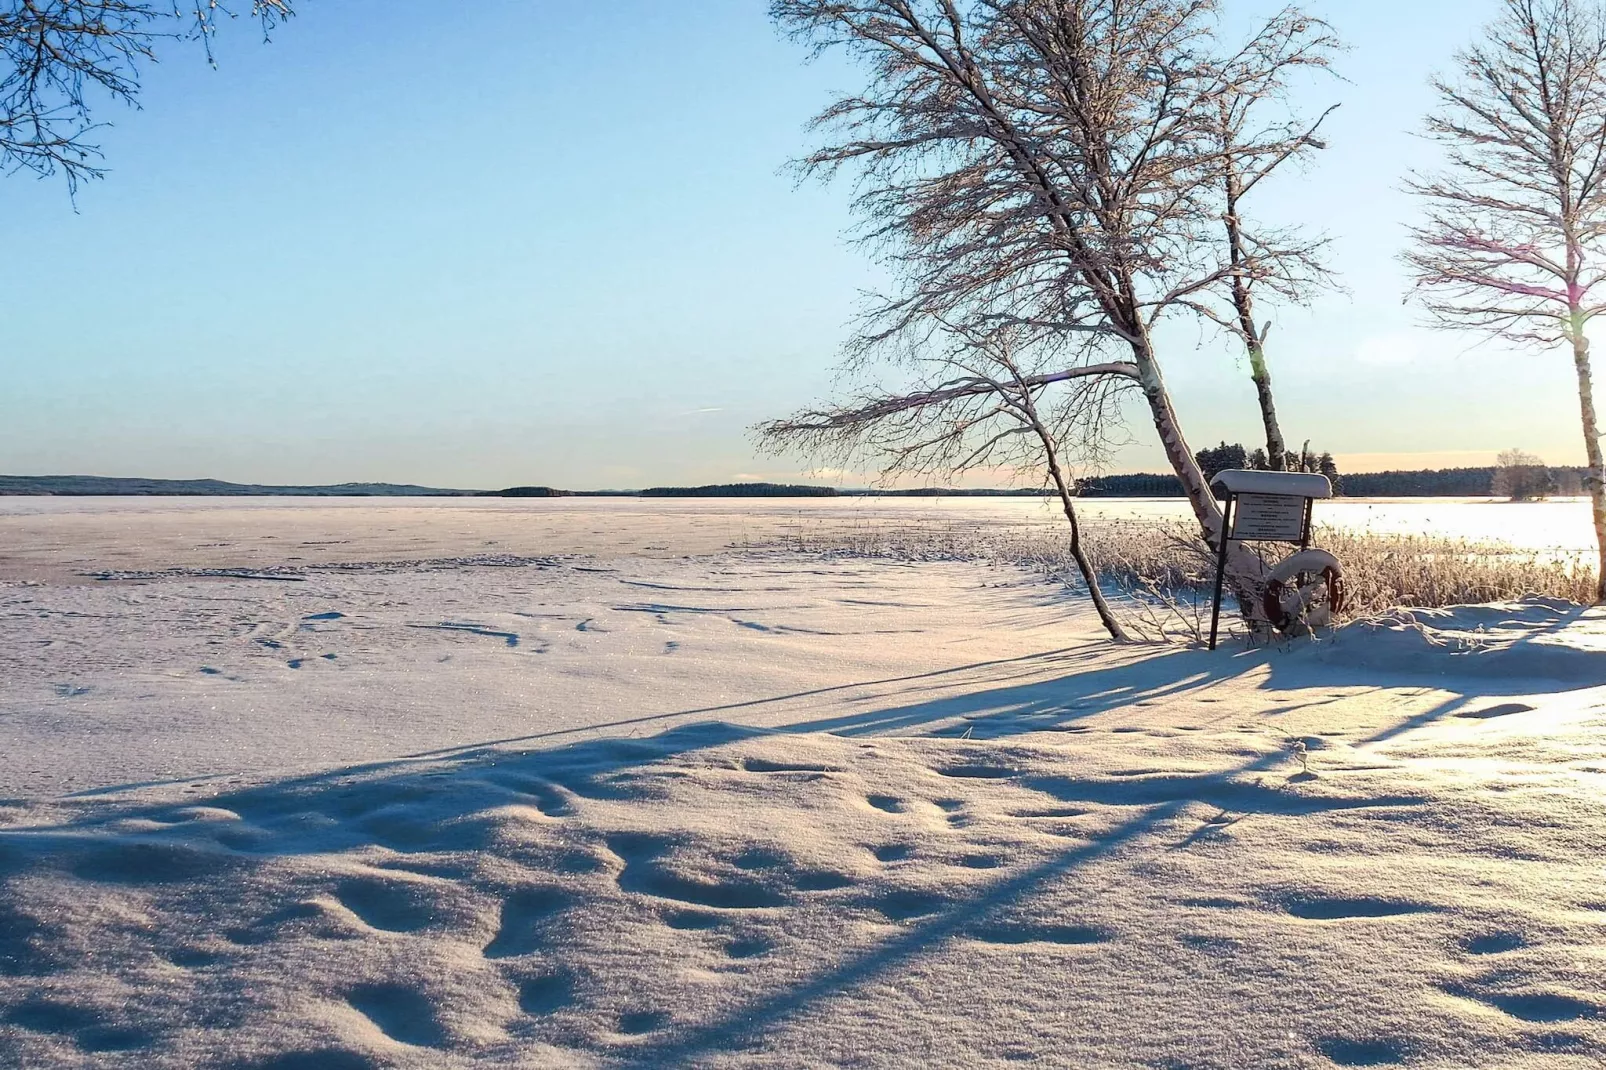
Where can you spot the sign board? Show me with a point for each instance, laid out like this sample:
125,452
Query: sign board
1262,506
1273,517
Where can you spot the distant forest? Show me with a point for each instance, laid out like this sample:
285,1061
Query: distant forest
1420,483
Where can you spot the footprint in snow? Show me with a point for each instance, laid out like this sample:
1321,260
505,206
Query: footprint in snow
545,993
1531,1006
395,906
525,914
403,1014
1347,1052
749,948
903,904
192,958
1340,908
1505,709
644,874
1493,943
87,1027
635,1023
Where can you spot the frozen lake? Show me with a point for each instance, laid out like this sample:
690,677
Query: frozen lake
63,538
622,782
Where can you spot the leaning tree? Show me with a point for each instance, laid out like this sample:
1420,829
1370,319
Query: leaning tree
58,56
1003,398
1053,165
1514,244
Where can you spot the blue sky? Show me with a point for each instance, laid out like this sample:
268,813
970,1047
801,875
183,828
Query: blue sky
531,241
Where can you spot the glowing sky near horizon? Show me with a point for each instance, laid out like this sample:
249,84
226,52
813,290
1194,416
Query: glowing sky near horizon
527,242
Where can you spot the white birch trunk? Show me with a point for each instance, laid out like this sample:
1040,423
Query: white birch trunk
1594,480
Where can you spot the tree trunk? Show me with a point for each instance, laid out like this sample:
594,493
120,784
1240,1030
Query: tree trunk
1083,565
1194,484
1245,571
1593,481
1276,450
1254,340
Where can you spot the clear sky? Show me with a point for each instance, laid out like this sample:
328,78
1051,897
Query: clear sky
552,241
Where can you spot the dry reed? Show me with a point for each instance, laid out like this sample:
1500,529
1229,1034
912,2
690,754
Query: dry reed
1166,564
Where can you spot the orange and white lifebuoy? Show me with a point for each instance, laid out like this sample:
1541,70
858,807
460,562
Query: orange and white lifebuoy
1289,603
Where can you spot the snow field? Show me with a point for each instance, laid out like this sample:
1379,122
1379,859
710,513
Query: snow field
718,895
775,809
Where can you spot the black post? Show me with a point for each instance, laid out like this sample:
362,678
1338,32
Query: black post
1221,564
1304,539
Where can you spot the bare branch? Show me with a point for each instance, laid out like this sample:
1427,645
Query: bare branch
58,56
972,386
1514,242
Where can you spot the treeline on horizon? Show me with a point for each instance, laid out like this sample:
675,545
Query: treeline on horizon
1405,483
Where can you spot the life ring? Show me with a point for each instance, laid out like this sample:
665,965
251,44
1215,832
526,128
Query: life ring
1286,613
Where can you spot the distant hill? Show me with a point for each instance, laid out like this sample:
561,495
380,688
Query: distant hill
118,485
525,492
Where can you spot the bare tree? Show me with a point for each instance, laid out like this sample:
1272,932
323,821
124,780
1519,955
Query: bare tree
1003,399
1281,261
1513,242
58,56
1049,163
1521,476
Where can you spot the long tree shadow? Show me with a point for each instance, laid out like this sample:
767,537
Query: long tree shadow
986,713
426,781
439,802
1162,799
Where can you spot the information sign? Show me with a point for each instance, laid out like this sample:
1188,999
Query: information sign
1262,506
1273,517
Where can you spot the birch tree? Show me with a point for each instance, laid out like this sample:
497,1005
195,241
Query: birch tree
60,58
1281,260
1514,243
1053,164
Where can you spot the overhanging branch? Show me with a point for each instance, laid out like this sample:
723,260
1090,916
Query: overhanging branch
968,387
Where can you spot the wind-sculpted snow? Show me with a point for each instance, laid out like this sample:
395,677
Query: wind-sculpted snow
922,818
715,895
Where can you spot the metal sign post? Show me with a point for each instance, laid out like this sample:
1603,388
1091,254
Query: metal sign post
1262,507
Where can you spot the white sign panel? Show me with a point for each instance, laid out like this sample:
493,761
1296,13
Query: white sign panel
1279,517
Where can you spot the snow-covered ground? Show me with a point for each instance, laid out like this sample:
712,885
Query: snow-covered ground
751,806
